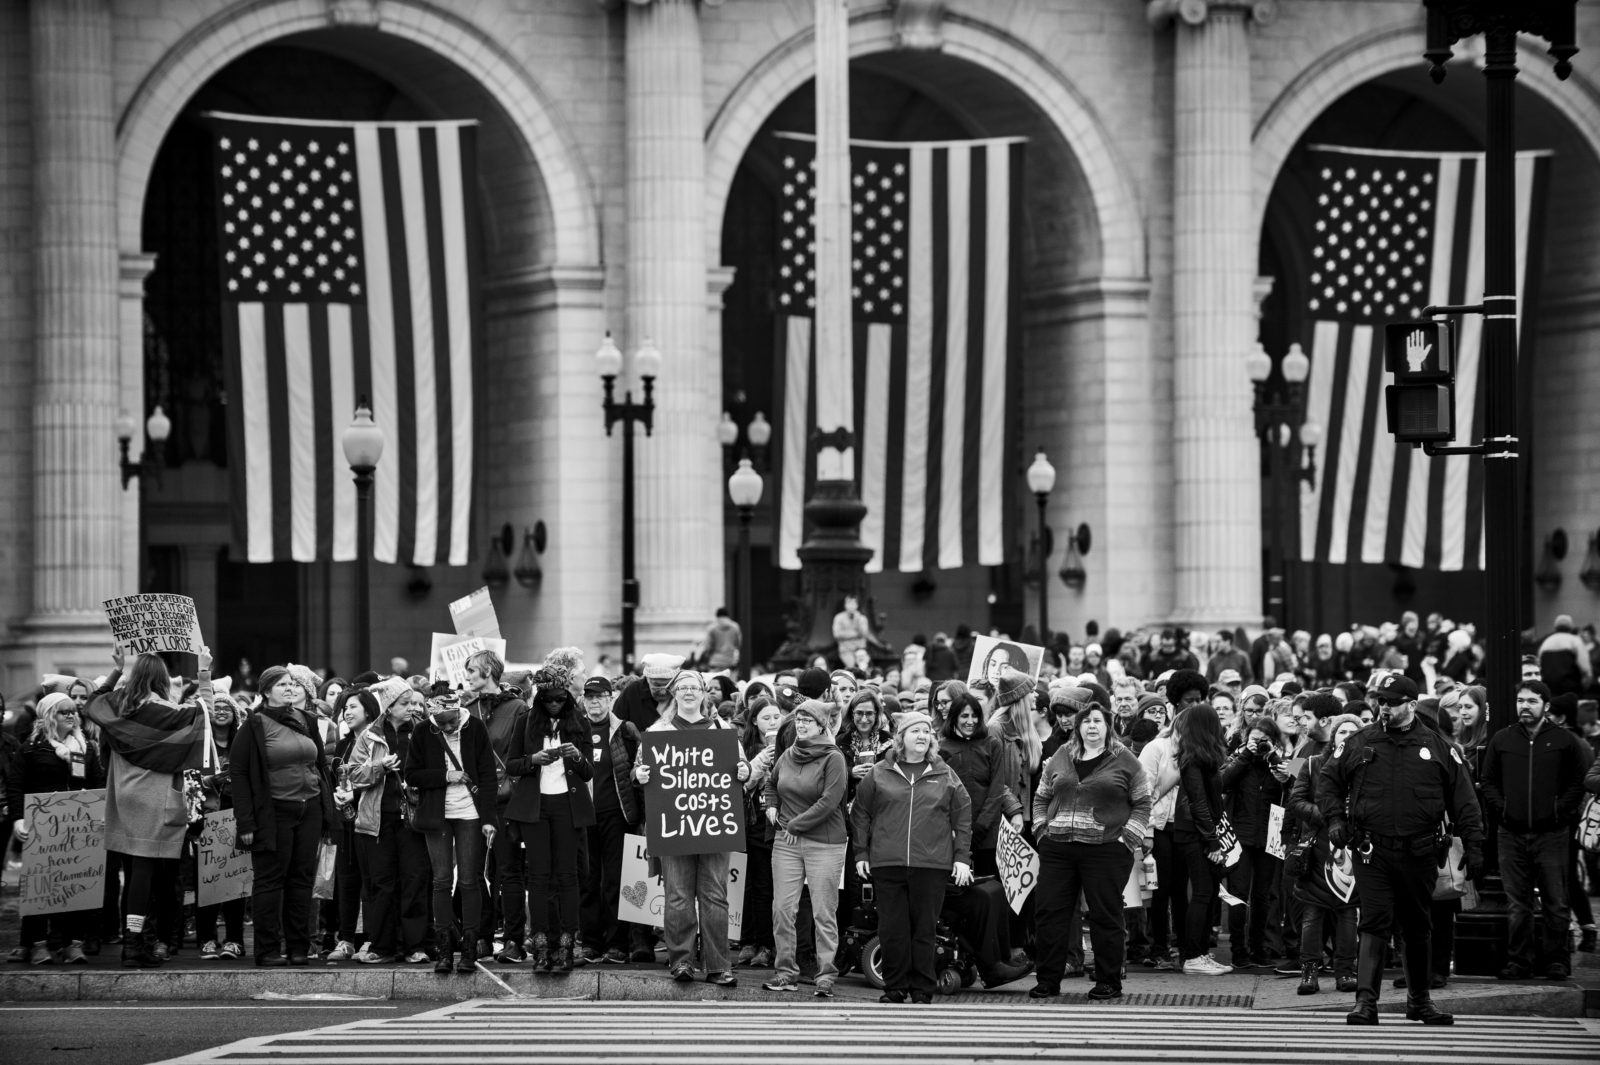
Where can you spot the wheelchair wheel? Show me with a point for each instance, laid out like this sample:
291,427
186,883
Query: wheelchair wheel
949,981
872,962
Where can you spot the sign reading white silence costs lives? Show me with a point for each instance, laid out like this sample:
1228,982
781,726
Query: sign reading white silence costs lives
1018,863
64,859
643,898
693,802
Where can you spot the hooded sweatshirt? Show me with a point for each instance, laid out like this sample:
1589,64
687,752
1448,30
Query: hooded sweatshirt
807,787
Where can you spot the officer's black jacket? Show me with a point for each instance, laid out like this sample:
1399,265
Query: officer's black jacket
1400,784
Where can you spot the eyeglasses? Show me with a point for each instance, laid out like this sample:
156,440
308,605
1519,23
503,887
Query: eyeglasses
684,689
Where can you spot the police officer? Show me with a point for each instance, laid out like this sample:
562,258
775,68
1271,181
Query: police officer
1389,795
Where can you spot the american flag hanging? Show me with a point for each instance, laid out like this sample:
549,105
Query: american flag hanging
349,269
1395,232
934,247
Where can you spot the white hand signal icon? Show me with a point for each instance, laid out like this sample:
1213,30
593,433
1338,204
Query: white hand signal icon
1417,349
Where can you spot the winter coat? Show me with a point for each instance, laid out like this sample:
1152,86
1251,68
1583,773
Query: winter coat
1199,804
368,776
249,776
984,766
427,762
926,824
38,768
1534,782
1249,791
624,749
579,771
1111,803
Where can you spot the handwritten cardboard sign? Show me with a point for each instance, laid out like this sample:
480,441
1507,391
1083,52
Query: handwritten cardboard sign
154,621
990,656
1018,863
447,660
474,615
1275,832
643,898
694,803
64,859
225,872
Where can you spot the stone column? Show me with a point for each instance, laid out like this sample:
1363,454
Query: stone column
1216,499
78,504
679,483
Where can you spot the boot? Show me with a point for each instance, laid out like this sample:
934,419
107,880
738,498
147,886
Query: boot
563,953
1419,975
1369,978
139,951
1309,985
469,955
446,962
539,954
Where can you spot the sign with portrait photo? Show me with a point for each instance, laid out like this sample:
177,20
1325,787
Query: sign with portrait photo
990,655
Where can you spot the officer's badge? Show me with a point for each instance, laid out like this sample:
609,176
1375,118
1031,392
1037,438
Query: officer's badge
1456,755
1425,753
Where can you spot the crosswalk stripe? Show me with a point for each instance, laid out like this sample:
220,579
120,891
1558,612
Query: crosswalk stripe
551,1033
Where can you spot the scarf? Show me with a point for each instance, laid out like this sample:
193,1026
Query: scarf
65,748
288,718
156,735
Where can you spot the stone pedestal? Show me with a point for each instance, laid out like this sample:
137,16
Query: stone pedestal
1217,535
679,484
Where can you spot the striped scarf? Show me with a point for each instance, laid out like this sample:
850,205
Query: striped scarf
155,735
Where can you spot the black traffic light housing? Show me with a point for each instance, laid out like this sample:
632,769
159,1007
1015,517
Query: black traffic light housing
1421,355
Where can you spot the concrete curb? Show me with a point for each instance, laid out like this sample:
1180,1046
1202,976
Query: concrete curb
355,984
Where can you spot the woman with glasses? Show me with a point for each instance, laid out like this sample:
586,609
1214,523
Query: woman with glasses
226,720
552,764
696,884
55,758
944,696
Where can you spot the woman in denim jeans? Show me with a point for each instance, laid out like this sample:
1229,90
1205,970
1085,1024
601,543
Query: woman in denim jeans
451,765
804,798
696,884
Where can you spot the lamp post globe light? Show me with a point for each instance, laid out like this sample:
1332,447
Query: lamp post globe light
1288,456
647,364
1041,482
744,489
362,442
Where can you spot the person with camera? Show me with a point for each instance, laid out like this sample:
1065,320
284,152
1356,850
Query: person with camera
1253,780
451,765
1389,793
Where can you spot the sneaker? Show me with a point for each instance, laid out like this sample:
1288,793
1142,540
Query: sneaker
746,952
209,951
372,957
231,950
417,957
682,972
513,954
74,955
614,956
41,955
824,989
1102,991
162,952
642,956
762,960
1205,965
1168,965
18,954
722,978
782,983
344,950
1557,970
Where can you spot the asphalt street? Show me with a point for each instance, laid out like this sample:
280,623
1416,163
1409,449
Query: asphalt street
135,1033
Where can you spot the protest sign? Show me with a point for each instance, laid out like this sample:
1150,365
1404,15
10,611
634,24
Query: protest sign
990,656
64,859
1275,832
447,659
694,803
474,615
225,872
1018,863
643,898
154,621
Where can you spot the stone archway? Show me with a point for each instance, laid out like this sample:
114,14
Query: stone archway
1086,356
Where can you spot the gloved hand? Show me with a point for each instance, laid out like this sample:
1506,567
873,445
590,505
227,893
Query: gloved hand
1474,859
1339,834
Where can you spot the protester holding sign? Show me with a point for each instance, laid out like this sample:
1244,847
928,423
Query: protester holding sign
149,741
451,765
983,762
912,820
283,807
1324,880
1091,813
1200,749
226,720
1252,783
55,758
551,763
804,801
697,882
618,811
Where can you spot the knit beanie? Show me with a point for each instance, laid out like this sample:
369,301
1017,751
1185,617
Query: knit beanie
387,691
910,718
817,711
304,677
1014,686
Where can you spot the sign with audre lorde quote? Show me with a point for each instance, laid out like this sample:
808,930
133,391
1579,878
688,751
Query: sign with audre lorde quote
154,621
693,803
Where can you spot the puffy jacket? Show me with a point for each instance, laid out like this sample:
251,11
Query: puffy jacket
1160,763
983,765
921,824
368,777
1534,783
1250,790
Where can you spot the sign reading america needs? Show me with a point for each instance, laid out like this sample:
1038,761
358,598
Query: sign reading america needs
154,621
1018,863
64,859
694,803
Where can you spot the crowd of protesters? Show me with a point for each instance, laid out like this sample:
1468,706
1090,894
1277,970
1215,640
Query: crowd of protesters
1170,782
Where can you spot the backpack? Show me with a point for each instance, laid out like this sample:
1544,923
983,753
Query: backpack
1588,834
